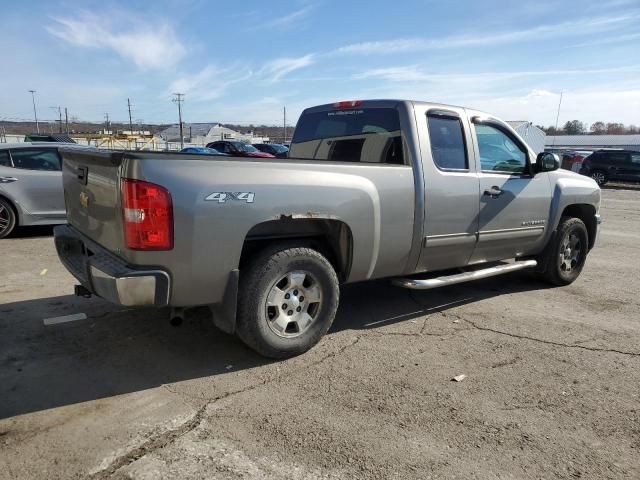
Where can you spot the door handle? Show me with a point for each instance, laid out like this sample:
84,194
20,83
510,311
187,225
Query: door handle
8,179
493,192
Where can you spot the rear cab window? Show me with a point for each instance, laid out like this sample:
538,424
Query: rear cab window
364,135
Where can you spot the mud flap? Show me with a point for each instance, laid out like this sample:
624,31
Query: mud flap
224,314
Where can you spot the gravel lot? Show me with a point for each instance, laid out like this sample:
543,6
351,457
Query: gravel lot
552,387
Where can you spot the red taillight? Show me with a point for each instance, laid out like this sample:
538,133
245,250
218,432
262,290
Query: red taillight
148,216
348,104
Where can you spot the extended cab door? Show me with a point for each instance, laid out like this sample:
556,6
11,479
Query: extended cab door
450,187
514,204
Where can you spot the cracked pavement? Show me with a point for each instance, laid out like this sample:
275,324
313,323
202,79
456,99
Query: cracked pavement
552,387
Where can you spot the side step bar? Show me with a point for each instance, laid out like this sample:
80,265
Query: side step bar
426,284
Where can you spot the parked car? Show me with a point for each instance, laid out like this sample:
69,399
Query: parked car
30,185
372,189
572,159
202,150
275,149
238,149
605,165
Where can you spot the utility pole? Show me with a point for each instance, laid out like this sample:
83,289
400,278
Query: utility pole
130,121
284,124
557,118
66,120
59,118
35,114
179,98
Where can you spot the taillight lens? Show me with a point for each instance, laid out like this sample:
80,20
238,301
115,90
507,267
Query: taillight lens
148,216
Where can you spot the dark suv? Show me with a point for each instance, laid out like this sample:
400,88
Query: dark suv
605,165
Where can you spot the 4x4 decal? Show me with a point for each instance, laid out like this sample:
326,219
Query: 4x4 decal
222,197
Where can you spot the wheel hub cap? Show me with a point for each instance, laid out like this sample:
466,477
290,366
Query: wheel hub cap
293,304
570,252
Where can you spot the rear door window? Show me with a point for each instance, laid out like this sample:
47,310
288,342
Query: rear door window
635,158
36,159
5,161
617,158
447,143
366,135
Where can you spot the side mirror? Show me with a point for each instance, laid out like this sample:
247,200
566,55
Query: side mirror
547,162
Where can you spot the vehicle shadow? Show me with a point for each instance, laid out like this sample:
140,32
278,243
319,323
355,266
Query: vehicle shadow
33,231
377,304
118,350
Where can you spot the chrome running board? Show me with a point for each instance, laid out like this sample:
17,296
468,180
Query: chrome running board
426,284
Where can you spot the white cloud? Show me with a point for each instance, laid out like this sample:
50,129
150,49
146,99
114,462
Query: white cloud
456,41
291,18
149,46
280,67
414,73
588,105
209,83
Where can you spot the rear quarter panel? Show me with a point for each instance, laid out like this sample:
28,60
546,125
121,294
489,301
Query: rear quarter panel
375,201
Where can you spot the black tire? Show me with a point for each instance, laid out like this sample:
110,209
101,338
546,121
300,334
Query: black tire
256,320
560,269
7,218
600,177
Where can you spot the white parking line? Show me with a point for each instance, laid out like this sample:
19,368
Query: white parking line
64,319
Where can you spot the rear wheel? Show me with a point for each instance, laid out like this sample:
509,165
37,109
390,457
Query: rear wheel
600,177
287,301
7,218
565,256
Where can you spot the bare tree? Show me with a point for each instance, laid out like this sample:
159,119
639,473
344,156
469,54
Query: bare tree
598,128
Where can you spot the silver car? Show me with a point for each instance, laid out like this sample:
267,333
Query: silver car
30,185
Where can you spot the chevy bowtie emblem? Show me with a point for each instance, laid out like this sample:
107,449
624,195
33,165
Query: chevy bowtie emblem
84,200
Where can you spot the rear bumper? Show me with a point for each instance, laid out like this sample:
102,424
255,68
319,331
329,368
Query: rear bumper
108,276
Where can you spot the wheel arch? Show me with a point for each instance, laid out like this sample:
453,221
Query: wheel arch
331,237
586,213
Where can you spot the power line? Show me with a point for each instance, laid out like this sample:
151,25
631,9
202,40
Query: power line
179,98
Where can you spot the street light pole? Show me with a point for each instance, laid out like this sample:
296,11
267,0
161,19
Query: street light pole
35,114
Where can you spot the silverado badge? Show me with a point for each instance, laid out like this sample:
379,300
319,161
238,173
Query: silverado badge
84,200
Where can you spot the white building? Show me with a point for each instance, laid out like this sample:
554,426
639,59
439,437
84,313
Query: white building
593,142
203,133
531,134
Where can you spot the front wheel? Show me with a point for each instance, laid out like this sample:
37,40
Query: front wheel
566,254
287,301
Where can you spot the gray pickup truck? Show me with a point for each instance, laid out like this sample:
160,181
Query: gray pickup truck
425,194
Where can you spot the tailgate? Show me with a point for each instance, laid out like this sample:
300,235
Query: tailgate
91,180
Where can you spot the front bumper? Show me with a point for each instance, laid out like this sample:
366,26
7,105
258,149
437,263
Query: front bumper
108,276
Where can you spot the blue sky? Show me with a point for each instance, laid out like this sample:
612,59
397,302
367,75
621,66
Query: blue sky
241,61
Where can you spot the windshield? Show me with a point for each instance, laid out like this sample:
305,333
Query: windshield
280,148
245,147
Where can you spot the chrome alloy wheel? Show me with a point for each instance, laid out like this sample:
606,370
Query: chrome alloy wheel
570,251
599,177
293,304
5,218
